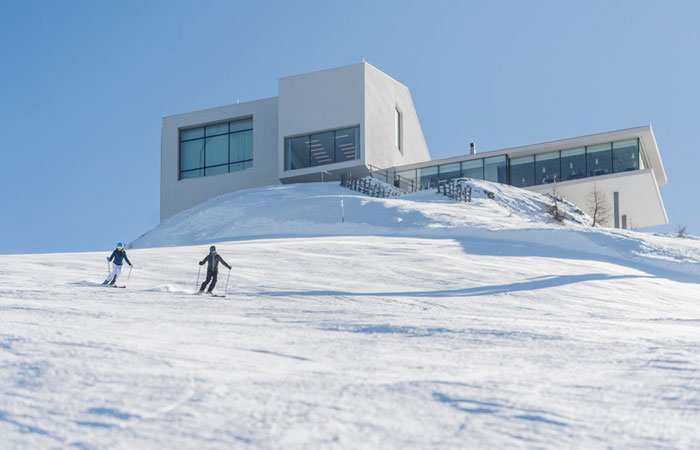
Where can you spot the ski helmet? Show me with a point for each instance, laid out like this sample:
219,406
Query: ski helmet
120,246
212,249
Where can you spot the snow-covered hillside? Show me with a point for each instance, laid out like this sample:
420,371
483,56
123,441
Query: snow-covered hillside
458,326
514,215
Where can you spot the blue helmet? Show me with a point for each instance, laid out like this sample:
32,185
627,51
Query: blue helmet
120,246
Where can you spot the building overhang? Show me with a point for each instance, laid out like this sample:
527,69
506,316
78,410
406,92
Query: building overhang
648,149
638,191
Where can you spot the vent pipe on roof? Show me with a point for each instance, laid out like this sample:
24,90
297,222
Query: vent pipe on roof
472,149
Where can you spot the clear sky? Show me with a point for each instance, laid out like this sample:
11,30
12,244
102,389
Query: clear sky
84,86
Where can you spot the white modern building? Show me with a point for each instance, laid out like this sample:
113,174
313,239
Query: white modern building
624,166
357,119
339,120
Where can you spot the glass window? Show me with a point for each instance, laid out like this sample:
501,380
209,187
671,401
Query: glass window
194,133
449,171
522,171
192,154
599,159
495,169
217,170
214,130
407,175
216,151
473,169
346,148
397,128
297,153
547,168
241,125
234,167
573,164
625,155
428,176
322,148
241,146
192,174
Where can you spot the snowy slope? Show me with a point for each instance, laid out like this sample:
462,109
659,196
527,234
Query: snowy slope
515,215
447,336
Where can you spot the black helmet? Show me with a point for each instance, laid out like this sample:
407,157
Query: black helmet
212,249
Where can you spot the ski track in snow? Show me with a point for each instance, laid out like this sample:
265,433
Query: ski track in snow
359,342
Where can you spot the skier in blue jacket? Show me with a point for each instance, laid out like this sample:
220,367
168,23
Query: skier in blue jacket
118,255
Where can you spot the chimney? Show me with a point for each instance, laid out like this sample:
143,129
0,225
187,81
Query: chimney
472,149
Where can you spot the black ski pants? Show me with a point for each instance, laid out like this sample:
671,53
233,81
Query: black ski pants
211,276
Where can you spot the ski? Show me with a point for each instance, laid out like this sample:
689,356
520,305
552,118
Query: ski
216,295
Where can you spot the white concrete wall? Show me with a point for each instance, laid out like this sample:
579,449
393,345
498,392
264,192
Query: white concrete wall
177,195
383,95
321,101
639,196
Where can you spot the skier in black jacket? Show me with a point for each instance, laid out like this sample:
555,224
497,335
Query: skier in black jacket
213,259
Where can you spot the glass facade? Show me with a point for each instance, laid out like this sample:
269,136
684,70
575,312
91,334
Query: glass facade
522,171
496,169
547,168
322,148
216,149
538,169
473,169
625,155
599,159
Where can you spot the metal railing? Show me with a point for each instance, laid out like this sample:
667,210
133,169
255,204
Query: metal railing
365,186
455,189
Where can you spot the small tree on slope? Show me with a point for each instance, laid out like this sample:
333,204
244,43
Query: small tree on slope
598,205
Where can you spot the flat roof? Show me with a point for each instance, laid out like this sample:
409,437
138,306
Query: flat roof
648,148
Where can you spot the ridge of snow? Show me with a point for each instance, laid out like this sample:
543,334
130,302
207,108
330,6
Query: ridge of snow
514,215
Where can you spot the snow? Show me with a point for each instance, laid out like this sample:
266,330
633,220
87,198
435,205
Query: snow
462,325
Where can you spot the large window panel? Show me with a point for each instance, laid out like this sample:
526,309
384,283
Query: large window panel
407,175
428,176
473,169
227,146
297,153
347,144
625,155
192,174
449,171
192,154
573,164
495,169
194,133
216,151
217,170
522,171
599,159
547,168
234,167
215,130
241,125
241,146
322,148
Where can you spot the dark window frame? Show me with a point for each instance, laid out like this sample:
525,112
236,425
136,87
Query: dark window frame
204,139
358,155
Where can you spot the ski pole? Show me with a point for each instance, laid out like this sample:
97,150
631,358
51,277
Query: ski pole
108,269
227,277
129,276
196,288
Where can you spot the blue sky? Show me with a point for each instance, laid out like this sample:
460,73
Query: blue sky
84,86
